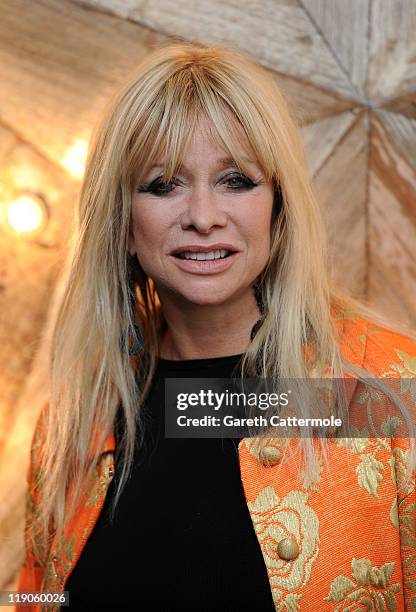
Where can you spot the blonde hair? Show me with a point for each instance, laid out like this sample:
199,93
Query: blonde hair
91,376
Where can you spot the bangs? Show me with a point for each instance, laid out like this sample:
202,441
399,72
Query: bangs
166,129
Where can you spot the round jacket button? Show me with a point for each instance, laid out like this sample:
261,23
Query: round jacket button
288,549
269,456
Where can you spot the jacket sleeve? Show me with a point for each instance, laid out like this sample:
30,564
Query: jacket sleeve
32,571
406,520
396,356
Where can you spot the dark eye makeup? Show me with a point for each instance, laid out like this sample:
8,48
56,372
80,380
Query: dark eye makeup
236,182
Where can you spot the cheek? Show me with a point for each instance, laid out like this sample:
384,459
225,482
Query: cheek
257,227
150,233
148,227
144,225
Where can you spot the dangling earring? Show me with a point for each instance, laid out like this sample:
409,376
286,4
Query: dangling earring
260,304
139,337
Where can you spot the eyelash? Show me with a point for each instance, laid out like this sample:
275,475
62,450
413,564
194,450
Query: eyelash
156,184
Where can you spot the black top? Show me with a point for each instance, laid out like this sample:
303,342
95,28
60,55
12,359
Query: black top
182,538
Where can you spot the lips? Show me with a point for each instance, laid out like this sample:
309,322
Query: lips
205,266
199,248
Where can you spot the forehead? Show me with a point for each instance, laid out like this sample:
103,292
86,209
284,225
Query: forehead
202,143
219,162
206,142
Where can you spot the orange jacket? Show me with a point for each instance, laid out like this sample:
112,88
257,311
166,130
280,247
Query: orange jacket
347,542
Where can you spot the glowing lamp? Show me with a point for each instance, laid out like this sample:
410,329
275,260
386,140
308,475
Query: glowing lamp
75,158
26,215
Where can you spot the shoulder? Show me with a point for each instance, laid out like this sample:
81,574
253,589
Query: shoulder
390,353
378,349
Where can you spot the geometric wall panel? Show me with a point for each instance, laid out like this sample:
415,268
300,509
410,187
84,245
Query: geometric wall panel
349,72
392,225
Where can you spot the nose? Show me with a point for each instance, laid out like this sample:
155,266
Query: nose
203,211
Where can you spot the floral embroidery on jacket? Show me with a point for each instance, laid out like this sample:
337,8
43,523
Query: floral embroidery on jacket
275,519
370,470
368,589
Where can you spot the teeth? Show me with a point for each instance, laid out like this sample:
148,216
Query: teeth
204,256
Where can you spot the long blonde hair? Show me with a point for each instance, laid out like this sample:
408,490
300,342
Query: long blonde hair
91,374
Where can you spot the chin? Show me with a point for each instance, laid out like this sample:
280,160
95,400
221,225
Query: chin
209,297
204,301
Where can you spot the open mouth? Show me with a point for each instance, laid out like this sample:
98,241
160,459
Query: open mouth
211,255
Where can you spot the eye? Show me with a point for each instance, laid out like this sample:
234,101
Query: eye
157,187
236,182
240,182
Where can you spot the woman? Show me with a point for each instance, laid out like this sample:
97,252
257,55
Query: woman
201,253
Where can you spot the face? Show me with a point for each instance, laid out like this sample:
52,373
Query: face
204,237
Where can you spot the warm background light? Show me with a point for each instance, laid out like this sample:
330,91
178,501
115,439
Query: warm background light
26,215
75,158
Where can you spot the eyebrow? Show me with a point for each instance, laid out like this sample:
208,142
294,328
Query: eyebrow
221,162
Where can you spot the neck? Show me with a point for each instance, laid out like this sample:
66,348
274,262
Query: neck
196,332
